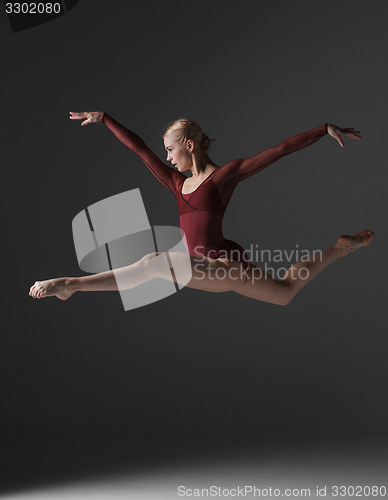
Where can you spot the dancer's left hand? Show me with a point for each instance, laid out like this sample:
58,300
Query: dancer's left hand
337,133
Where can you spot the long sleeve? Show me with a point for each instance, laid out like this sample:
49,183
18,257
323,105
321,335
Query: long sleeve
165,174
238,170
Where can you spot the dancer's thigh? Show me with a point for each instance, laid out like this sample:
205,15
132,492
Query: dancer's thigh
211,275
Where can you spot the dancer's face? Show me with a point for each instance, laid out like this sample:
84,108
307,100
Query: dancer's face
177,153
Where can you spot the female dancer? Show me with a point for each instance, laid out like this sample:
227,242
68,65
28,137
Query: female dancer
202,201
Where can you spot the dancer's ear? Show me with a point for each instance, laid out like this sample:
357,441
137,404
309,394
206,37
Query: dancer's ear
190,145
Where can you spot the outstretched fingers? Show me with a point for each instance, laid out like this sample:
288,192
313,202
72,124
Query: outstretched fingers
346,132
354,135
88,116
351,133
77,116
81,116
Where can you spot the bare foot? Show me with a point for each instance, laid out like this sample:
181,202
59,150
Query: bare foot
347,244
60,287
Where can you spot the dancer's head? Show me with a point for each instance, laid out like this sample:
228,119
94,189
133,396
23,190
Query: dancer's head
182,139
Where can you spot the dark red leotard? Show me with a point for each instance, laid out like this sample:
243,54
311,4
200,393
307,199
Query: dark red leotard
201,211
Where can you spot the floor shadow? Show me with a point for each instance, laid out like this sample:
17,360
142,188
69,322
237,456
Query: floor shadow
32,462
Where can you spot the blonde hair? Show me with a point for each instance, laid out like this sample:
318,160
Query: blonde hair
186,129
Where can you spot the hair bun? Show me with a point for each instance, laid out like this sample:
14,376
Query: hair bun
206,142
186,129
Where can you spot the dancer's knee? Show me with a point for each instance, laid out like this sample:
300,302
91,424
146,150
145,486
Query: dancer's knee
286,295
155,265
146,259
284,301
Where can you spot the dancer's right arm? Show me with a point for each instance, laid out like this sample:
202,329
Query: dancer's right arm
165,174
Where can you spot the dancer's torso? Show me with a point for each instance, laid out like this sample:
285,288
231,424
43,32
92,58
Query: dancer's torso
201,211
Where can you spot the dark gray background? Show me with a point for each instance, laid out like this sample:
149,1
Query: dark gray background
252,74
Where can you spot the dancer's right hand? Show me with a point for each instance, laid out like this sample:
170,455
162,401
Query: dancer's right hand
88,116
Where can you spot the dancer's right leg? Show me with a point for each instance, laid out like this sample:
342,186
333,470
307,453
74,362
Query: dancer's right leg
262,286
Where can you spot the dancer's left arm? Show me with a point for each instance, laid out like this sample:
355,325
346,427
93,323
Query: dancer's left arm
238,170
